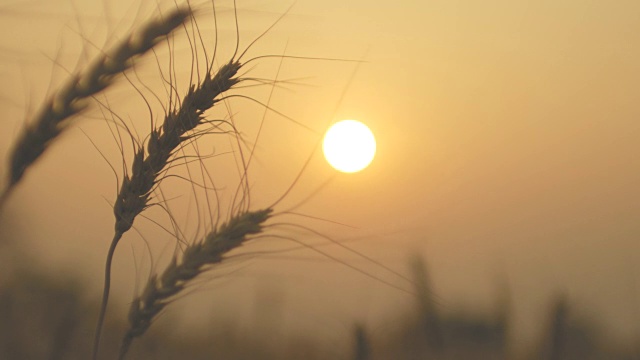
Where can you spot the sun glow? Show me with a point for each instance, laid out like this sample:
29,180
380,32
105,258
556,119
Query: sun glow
349,146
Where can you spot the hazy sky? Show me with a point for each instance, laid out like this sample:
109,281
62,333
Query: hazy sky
508,140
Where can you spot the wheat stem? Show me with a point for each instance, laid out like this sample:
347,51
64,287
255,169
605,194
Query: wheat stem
105,295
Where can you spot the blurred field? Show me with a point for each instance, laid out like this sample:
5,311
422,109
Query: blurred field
45,317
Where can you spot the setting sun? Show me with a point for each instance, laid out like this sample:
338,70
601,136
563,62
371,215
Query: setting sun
349,146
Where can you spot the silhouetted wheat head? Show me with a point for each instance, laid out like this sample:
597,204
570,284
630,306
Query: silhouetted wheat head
194,260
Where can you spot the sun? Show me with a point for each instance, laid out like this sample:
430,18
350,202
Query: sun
349,146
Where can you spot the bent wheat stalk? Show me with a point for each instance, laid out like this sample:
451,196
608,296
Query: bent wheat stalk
195,260
150,164
52,118
147,168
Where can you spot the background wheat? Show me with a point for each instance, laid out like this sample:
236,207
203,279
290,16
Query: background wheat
51,118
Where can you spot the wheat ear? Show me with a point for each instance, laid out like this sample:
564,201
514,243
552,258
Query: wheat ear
50,120
147,168
195,259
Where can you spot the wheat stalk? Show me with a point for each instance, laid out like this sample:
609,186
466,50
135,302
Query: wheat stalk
150,164
70,100
147,168
195,259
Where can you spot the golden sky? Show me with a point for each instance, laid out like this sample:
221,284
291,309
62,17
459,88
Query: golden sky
508,140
